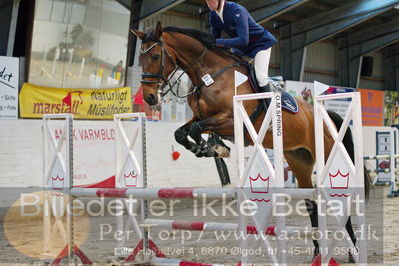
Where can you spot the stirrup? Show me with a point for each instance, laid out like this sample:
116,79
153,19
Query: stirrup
276,78
276,84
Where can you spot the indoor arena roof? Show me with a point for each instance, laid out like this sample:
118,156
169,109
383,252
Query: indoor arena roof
337,17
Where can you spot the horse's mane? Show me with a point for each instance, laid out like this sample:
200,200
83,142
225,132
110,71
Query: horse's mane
203,37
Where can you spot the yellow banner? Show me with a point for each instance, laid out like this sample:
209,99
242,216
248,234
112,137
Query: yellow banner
35,101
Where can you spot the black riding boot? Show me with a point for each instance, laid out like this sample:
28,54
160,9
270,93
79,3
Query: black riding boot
266,88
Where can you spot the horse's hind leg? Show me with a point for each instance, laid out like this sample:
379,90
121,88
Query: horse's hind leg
349,228
301,163
311,207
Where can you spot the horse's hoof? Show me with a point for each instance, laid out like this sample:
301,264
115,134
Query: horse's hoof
315,253
200,154
351,259
221,151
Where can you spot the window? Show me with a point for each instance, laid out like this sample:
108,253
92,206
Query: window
79,43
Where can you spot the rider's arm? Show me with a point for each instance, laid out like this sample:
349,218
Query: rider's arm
216,31
240,17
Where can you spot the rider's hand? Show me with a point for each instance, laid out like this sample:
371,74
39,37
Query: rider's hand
212,41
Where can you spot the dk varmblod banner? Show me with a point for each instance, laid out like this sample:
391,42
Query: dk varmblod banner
82,103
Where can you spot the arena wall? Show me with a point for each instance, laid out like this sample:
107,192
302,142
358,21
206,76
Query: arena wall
320,63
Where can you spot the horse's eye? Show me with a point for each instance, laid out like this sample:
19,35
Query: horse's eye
155,57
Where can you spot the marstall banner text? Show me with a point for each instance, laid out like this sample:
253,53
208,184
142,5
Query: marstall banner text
35,101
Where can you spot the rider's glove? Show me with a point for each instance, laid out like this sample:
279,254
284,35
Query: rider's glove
212,41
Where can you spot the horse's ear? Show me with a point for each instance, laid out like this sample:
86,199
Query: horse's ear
158,31
139,34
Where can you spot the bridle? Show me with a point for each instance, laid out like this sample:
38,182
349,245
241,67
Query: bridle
159,76
161,81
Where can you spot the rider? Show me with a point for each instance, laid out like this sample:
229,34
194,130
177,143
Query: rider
247,37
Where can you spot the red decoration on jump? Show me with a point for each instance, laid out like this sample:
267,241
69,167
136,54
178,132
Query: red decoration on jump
259,184
107,183
111,192
176,193
339,180
317,261
139,247
57,183
185,225
78,252
130,179
175,155
270,230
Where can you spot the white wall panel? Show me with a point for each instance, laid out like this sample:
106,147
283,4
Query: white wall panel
171,20
326,79
275,61
320,56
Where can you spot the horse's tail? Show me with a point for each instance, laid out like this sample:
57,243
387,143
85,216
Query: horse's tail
348,143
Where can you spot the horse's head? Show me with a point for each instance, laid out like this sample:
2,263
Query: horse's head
157,64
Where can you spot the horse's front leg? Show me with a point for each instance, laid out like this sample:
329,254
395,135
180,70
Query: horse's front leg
181,136
213,124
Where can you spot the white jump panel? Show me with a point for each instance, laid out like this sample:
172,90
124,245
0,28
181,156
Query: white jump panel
258,179
340,180
57,179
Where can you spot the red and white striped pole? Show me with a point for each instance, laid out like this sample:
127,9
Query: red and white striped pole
154,193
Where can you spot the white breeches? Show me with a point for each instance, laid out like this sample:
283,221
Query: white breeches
262,60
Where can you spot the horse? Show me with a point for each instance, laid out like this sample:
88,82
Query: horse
211,71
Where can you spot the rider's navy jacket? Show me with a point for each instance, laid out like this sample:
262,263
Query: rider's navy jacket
246,35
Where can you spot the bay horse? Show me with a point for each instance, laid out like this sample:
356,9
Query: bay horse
165,49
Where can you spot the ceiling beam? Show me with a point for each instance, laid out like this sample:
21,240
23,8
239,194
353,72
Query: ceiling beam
368,23
296,36
352,48
183,15
195,4
288,18
319,5
151,8
125,3
373,38
329,23
271,9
